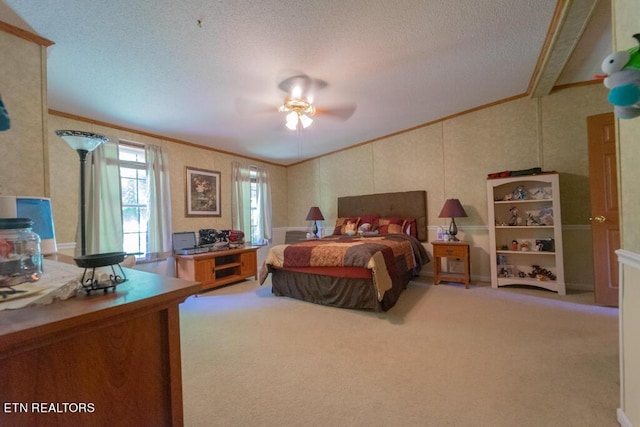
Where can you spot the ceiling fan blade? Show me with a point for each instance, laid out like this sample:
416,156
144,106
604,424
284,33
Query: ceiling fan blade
247,107
342,112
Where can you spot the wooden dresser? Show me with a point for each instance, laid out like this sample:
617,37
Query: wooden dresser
99,359
213,269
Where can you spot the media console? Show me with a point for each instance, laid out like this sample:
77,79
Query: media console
218,268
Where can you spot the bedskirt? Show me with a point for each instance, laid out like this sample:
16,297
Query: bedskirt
332,290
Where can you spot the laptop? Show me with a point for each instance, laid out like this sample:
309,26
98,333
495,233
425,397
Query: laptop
184,243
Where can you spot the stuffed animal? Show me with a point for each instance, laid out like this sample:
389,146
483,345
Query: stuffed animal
364,228
5,122
622,78
350,228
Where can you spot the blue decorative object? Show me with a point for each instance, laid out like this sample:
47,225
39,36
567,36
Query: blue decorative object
622,78
5,122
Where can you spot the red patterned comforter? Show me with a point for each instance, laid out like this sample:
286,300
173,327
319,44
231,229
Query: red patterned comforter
387,256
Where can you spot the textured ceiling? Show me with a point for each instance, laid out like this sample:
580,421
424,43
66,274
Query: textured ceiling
182,68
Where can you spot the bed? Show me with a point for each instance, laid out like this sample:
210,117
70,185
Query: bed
366,271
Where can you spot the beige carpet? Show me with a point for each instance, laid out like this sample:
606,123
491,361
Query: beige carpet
443,356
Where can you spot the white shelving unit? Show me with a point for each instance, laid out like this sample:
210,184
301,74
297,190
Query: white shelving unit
531,238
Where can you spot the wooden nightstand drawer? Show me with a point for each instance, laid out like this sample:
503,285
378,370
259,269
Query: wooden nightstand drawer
450,251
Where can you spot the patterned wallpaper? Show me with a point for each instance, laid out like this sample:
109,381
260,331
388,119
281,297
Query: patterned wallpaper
452,159
22,161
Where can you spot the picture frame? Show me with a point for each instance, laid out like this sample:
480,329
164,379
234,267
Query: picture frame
202,194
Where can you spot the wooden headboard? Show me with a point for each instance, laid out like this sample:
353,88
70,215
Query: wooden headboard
406,204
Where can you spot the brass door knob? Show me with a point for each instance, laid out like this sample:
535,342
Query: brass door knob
600,219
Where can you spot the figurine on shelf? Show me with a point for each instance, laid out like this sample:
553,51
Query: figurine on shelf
532,220
546,216
514,216
520,193
540,193
541,274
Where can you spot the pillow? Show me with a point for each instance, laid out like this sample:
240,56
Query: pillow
390,225
409,226
341,224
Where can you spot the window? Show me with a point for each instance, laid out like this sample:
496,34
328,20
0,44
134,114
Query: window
256,238
134,184
251,202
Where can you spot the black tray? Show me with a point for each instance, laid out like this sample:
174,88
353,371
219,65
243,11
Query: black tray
100,260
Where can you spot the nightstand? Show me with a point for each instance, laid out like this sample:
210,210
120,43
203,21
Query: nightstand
458,250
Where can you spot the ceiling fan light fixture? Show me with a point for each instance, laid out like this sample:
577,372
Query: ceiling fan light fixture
299,110
292,120
305,120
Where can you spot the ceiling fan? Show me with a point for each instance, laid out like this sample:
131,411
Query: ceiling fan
299,103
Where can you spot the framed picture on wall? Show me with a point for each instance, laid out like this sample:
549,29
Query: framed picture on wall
203,192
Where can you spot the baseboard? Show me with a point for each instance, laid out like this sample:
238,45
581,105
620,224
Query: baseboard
580,287
622,418
474,279
584,287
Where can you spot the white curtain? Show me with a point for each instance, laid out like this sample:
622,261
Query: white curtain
241,202
103,200
159,199
264,204
241,199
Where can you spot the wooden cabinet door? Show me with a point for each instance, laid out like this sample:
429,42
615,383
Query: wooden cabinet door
248,263
205,271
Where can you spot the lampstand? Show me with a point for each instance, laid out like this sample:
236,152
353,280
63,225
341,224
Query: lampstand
452,209
315,215
83,143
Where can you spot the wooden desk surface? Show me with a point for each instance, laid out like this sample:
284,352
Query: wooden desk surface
141,290
117,354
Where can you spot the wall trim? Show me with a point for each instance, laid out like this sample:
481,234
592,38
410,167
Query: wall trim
632,260
24,34
629,258
567,227
623,419
157,136
434,228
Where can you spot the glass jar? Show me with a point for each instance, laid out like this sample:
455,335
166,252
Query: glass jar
20,256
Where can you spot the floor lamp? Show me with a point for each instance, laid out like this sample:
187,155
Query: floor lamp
83,143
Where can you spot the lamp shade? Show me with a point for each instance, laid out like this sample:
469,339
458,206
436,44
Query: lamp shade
79,140
452,209
305,120
315,214
292,120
